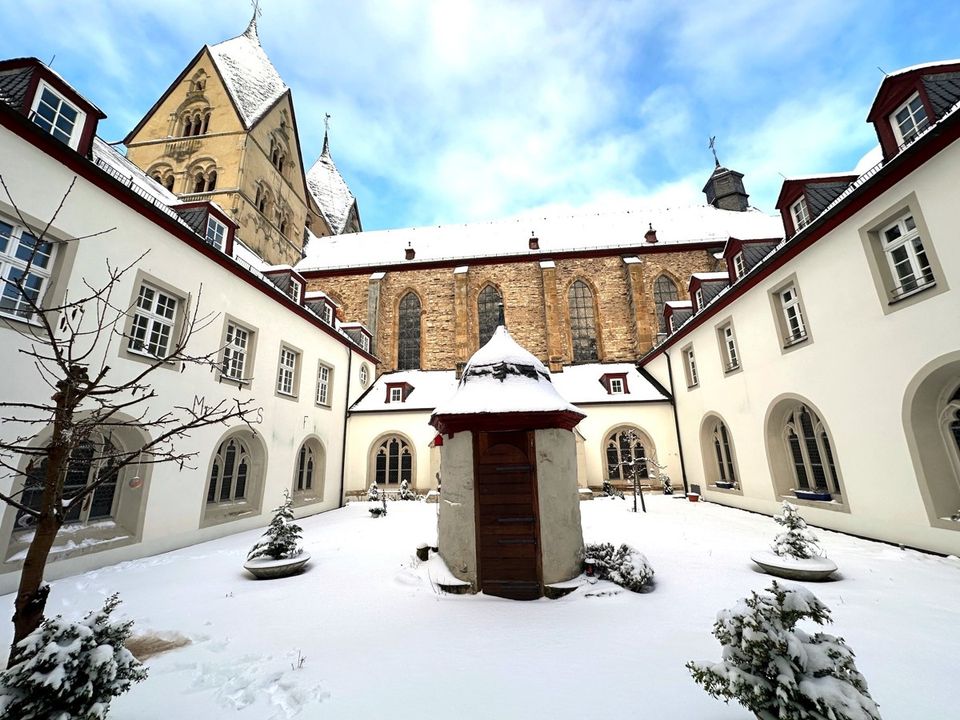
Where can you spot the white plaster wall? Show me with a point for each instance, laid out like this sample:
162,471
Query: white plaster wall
364,430
561,535
855,371
176,499
457,524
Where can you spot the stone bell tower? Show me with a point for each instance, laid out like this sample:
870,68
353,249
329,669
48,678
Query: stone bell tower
724,188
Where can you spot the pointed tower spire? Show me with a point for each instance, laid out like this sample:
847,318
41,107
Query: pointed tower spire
326,133
251,31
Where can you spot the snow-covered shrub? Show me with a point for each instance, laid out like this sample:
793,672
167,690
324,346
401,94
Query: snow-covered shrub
956,516
797,540
405,492
281,539
666,484
778,671
70,670
373,492
623,565
609,490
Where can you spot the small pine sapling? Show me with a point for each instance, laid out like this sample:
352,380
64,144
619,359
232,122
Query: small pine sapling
281,539
778,671
405,492
622,565
373,492
797,540
70,669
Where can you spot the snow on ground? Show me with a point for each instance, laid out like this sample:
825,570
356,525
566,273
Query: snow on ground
379,640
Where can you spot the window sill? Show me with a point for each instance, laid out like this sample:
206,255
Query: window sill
916,291
81,540
287,396
300,499
732,369
794,341
238,382
145,357
693,387
219,513
837,504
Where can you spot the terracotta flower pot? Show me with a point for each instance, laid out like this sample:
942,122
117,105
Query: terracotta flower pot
693,497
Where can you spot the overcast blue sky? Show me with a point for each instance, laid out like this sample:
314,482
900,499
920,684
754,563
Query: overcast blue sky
449,111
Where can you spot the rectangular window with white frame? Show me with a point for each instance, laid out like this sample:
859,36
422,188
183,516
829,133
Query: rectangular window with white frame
801,214
690,367
324,385
698,296
52,113
287,372
616,386
789,314
327,314
25,268
216,233
909,120
154,322
236,353
906,256
728,347
739,267
293,289
396,394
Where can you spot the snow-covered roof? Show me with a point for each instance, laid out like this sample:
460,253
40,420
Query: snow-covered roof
870,159
581,384
430,388
922,66
624,228
711,276
251,79
503,377
330,191
107,155
678,304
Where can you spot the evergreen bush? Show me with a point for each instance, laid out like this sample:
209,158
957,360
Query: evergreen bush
609,490
623,565
281,539
778,671
70,670
406,493
373,492
797,540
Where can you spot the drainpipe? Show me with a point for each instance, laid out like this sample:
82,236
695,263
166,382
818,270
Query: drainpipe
343,445
676,424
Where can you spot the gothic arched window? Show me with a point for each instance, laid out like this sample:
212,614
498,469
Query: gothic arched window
168,183
626,455
583,323
308,476
408,333
808,448
724,453
489,303
211,180
206,124
950,423
187,126
393,462
664,289
199,182
230,472
92,460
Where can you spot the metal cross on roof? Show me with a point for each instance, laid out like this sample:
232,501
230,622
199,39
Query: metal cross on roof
713,148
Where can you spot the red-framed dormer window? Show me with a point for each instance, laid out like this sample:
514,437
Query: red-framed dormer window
398,392
615,383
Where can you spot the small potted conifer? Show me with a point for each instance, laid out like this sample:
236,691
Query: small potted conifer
278,553
795,553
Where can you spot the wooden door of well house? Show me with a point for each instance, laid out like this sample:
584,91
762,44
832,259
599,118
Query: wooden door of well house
508,525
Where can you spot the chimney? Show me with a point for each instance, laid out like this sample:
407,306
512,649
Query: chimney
534,242
409,253
651,235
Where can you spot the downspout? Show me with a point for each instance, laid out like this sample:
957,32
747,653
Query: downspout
676,424
343,445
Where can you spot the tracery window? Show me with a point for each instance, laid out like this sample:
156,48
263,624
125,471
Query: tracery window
393,462
583,324
626,455
950,422
664,290
408,326
724,453
92,460
306,466
489,303
809,450
230,472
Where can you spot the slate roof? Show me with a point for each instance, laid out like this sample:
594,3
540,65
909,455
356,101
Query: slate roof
330,190
754,253
13,85
943,90
251,79
821,194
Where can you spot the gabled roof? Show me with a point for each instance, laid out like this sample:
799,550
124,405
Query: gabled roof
894,83
330,191
251,79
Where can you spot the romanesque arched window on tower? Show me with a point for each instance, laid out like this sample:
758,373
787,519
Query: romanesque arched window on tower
664,290
488,312
583,322
408,333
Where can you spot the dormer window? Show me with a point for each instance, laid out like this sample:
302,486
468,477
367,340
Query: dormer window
293,289
909,120
56,116
327,315
615,383
216,233
739,267
698,296
396,394
800,214
616,386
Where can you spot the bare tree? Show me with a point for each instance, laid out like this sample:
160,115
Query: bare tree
69,345
634,467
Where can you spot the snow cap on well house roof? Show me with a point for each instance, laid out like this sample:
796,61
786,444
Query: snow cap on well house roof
251,79
504,238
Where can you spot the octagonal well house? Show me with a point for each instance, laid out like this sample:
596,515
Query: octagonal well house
509,506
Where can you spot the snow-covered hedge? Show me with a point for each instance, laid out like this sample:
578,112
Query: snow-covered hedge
778,671
623,565
70,670
797,540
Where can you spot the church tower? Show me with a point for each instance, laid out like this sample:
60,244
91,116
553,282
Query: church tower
724,188
225,131
336,203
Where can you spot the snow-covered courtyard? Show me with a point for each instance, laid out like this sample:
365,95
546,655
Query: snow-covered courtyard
365,633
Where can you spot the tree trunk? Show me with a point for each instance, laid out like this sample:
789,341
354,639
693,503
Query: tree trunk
32,594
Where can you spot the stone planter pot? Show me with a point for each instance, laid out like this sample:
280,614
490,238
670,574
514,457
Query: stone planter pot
270,569
815,569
